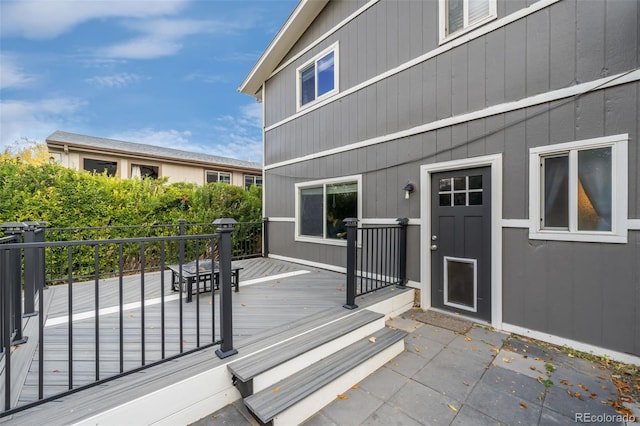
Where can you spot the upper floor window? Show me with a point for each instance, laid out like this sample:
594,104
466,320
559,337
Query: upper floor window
460,16
579,190
318,78
250,180
213,176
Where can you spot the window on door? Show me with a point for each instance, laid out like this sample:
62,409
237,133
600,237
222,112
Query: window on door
579,190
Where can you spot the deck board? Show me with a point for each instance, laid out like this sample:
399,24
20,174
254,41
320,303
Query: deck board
257,308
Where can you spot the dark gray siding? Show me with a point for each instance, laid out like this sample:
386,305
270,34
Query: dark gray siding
530,56
585,292
582,291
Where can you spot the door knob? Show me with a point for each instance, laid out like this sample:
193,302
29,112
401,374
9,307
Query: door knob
434,247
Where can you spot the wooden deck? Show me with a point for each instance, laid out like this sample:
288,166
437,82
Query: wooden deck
272,294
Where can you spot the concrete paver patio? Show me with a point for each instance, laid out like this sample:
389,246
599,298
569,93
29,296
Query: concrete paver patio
480,377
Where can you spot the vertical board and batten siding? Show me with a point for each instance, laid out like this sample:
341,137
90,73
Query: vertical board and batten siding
587,292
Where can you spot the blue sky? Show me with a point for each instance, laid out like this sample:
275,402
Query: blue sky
160,72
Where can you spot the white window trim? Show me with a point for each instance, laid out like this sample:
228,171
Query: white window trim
336,80
323,182
619,158
442,20
219,174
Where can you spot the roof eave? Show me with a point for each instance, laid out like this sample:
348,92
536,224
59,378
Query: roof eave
297,23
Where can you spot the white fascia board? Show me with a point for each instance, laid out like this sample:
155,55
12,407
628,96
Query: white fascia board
297,23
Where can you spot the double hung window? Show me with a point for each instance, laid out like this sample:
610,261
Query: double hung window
250,180
318,78
322,206
213,176
460,16
579,190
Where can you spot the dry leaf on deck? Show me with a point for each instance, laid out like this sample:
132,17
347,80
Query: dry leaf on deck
343,397
523,405
276,390
452,408
355,387
468,339
372,339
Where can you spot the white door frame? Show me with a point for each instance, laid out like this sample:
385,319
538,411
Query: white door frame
495,162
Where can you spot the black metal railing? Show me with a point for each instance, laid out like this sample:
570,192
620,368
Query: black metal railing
246,243
109,327
376,258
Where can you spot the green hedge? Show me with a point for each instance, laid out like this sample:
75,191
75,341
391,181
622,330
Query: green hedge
70,198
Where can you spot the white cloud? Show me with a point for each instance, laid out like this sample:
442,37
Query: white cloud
162,37
45,19
240,135
35,119
114,81
13,76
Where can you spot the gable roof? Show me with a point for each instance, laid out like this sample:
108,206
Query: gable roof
297,23
113,146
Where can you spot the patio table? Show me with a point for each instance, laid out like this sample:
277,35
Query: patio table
204,276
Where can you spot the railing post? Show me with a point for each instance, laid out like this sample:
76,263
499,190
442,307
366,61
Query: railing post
351,224
402,252
14,281
225,228
265,237
30,269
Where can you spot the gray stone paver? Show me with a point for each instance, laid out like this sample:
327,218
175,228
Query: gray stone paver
485,378
344,411
480,378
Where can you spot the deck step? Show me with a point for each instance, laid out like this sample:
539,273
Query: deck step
261,370
297,397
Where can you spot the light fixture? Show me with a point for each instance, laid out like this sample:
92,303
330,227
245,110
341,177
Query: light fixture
408,189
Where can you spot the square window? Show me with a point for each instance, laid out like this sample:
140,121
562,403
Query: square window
578,190
322,207
460,16
318,78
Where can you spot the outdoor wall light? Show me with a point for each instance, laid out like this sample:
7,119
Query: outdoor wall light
408,189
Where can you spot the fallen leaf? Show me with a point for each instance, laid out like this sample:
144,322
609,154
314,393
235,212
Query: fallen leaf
496,350
523,405
593,396
372,339
243,305
130,315
343,397
276,390
452,408
465,383
507,360
468,339
565,382
355,387
532,367
583,387
56,371
417,349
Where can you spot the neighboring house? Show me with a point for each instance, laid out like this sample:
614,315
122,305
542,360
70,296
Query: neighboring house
127,160
516,124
